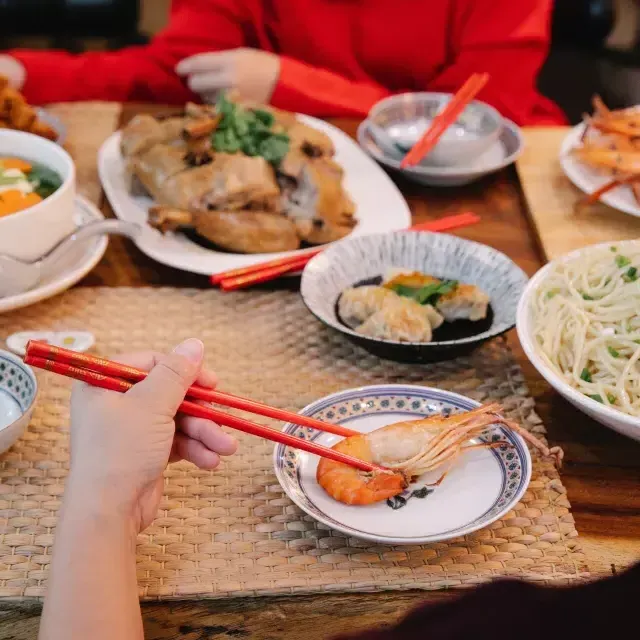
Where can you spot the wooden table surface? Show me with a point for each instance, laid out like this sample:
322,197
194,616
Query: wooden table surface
601,472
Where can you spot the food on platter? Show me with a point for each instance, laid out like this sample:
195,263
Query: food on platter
409,306
586,324
247,178
24,184
411,449
15,113
611,145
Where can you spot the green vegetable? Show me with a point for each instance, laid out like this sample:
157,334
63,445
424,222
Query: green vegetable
45,181
248,131
6,181
428,294
613,248
586,296
597,397
611,398
631,275
585,375
613,352
622,261
552,293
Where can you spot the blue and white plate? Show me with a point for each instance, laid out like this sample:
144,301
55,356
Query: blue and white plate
365,260
483,485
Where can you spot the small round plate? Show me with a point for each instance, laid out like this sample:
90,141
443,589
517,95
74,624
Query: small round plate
588,179
80,341
500,155
482,486
69,270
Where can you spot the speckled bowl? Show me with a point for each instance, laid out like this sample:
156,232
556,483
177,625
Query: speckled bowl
364,259
18,390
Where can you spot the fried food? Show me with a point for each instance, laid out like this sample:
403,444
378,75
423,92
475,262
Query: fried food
16,114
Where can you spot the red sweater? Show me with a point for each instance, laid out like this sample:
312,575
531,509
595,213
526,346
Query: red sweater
339,57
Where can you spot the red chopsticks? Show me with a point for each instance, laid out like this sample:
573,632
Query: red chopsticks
188,407
445,119
107,367
265,271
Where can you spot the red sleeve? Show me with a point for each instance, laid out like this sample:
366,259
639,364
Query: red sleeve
510,40
138,73
319,92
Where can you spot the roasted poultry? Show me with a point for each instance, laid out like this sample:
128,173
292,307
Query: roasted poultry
242,202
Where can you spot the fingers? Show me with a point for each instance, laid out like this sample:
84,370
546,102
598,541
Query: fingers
209,434
204,62
210,82
166,385
185,448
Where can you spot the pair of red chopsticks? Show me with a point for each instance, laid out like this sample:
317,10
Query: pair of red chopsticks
265,271
118,377
445,119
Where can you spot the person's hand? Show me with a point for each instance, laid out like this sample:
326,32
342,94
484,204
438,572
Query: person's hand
121,443
250,72
13,70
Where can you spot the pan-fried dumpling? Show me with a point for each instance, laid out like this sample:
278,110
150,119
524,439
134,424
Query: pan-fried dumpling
357,304
400,319
465,302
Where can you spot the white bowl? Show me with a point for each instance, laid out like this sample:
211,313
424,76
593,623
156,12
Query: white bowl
30,233
18,391
617,420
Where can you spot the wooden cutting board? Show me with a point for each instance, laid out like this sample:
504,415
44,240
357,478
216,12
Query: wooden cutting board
551,198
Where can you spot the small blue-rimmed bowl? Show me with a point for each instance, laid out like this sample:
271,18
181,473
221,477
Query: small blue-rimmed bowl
482,486
18,390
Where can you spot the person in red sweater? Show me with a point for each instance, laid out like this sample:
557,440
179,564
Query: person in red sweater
320,57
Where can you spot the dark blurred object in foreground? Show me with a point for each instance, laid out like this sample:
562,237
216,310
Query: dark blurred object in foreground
603,609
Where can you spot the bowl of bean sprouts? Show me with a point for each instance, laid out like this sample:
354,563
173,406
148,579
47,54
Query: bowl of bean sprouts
579,324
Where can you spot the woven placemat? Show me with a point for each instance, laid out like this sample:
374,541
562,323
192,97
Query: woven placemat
233,532
88,125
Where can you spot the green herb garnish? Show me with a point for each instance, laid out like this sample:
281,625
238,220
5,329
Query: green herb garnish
45,181
611,398
631,275
613,248
622,261
597,397
552,293
585,375
614,352
586,296
429,294
251,132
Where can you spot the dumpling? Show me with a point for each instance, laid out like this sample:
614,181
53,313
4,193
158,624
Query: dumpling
359,303
435,319
400,319
465,302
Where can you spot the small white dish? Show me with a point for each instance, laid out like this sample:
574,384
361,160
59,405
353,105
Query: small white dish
588,179
482,486
502,153
28,234
18,390
71,269
80,341
608,416
380,207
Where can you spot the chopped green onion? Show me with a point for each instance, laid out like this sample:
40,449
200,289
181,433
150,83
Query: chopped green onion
586,296
631,275
552,293
613,352
585,375
622,261
597,397
611,398
613,248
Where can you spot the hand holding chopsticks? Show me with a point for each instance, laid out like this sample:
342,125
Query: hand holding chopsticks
117,377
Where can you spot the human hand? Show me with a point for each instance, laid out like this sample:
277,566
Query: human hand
251,72
121,443
13,70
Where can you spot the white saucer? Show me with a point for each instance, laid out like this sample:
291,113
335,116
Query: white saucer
482,487
503,153
73,268
588,179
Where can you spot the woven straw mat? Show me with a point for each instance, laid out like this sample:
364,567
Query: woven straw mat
233,531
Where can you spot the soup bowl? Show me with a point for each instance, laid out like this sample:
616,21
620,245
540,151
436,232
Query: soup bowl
29,233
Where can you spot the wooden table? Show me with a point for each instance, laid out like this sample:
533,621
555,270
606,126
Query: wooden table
602,470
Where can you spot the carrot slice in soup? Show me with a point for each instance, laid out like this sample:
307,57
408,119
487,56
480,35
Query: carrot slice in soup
16,163
13,201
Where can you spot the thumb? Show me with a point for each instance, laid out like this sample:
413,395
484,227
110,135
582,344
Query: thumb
166,385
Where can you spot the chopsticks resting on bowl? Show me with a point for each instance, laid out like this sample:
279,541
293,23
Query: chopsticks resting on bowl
265,271
55,363
445,119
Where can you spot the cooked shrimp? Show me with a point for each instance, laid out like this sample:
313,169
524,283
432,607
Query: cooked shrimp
410,449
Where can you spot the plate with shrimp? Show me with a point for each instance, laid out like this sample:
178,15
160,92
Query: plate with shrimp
601,157
454,466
